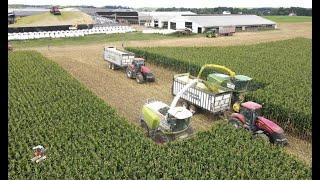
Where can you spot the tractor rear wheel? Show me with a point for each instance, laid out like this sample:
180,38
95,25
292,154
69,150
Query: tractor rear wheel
139,78
262,137
235,123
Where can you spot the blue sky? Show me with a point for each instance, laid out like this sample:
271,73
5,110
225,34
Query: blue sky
173,3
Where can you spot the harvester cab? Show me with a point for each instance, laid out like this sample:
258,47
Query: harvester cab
164,123
225,79
250,118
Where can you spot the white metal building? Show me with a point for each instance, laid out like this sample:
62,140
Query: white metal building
160,19
200,23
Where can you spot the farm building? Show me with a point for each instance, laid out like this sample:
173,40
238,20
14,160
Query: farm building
160,19
127,16
201,23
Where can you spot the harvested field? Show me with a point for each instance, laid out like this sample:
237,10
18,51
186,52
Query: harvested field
86,64
48,19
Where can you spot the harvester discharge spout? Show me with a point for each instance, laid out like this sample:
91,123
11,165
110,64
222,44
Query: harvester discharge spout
177,97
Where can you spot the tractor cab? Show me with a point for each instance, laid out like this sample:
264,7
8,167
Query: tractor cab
250,111
138,63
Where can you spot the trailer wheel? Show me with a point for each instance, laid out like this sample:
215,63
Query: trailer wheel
113,67
185,104
193,108
129,73
109,65
139,78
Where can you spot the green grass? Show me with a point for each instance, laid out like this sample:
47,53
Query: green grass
289,19
89,39
281,69
86,139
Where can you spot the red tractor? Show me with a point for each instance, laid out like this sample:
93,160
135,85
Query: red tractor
55,10
250,119
138,70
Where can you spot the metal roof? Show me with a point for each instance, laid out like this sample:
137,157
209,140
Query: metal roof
164,15
225,20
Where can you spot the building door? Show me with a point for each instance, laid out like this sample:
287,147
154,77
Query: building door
199,30
173,25
165,25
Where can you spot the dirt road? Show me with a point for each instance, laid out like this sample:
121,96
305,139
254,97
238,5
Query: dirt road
86,64
284,31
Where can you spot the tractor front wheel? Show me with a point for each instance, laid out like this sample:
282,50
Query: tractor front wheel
235,123
279,139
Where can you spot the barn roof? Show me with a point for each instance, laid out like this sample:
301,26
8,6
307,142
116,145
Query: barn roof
225,20
165,15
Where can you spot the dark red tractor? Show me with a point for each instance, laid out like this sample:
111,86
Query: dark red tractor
55,10
250,119
139,71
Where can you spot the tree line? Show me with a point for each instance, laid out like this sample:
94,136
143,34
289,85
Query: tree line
257,11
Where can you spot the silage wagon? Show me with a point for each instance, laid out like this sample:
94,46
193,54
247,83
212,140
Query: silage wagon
200,96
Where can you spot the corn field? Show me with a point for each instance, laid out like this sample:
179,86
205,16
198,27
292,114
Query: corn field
86,139
281,72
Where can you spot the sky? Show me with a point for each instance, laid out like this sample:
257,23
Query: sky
173,3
